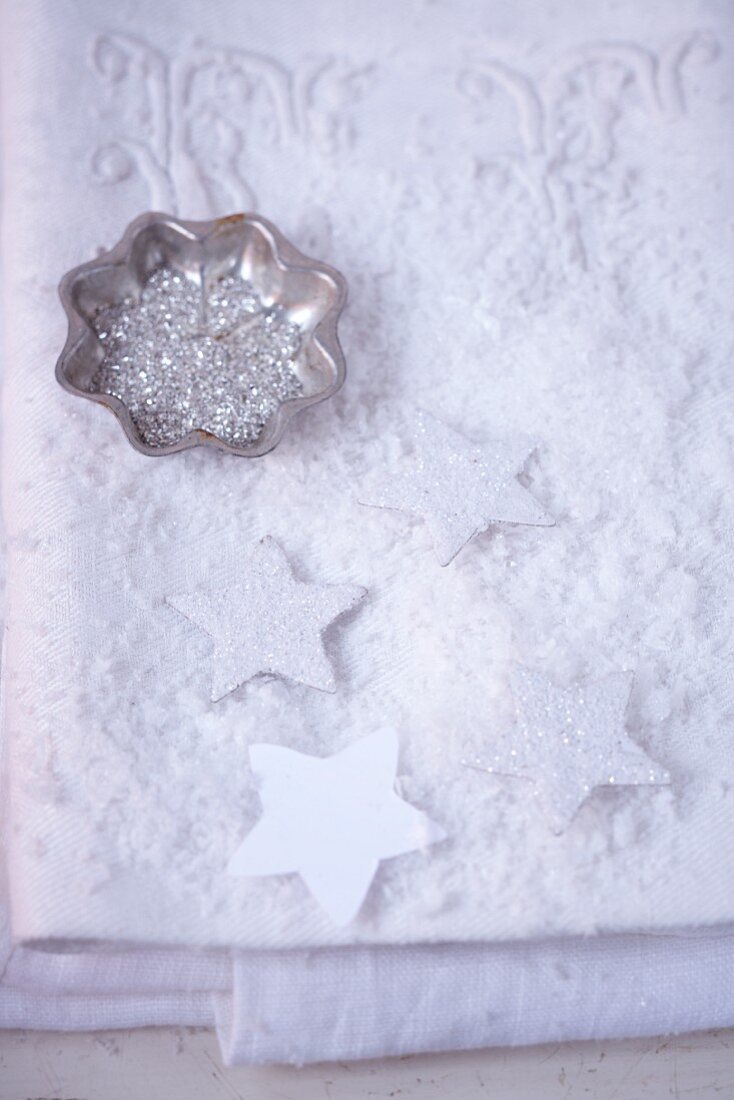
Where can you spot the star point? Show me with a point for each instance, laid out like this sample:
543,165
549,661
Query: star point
458,487
331,820
268,623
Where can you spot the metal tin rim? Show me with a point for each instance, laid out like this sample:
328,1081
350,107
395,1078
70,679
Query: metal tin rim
288,258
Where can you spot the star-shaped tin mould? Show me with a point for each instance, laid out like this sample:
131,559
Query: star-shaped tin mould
308,294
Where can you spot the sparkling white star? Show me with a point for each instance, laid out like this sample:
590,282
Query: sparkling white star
331,820
268,622
458,487
568,741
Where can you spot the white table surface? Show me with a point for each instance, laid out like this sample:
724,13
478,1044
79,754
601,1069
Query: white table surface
184,1064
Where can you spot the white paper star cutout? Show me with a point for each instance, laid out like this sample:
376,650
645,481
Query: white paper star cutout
268,622
570,740
331,820
457,486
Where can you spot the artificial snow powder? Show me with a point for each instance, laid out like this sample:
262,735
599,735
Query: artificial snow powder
531,221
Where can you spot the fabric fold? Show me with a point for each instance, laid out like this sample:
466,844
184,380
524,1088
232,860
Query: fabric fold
367,1002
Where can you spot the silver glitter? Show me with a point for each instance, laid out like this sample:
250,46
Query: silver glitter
456,486
181,358
568,741
268,622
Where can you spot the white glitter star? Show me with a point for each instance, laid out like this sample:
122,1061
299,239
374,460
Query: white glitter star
268,622
569,741
331,820
457,486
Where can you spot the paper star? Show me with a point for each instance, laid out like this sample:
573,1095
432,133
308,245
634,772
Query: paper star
268,622
458,487
568,741
331,820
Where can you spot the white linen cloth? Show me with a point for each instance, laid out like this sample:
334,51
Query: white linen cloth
533,243
342,1003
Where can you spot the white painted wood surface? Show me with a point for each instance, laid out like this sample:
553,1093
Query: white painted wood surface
184,1064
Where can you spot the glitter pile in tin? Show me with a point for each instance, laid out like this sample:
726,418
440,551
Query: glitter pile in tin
181,358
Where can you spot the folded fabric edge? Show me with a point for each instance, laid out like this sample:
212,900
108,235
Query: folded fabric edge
298,1007
342,1004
